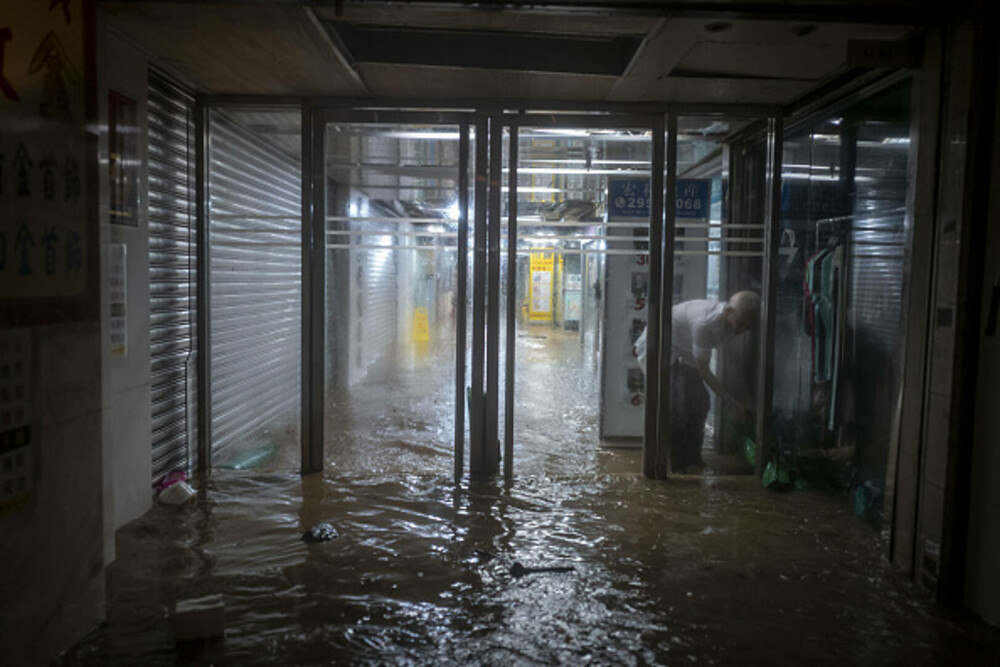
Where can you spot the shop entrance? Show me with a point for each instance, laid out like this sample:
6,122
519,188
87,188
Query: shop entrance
391,289
462,290
484,279
578,285
591,253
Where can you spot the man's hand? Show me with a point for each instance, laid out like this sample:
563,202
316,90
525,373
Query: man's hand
741,412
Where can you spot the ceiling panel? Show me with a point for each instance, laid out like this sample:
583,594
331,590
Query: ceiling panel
445,82
521,19
695,60
716,90
484,48
763,61
225,49
283,49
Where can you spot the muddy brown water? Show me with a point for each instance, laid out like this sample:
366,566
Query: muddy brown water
695,570
698,569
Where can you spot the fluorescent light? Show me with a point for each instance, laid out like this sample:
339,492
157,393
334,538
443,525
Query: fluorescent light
539,190
584,172
562,132
449,136
644,163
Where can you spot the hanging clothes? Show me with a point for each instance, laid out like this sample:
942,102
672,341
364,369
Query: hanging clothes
823,320
825,300
839,316
813,323
809,289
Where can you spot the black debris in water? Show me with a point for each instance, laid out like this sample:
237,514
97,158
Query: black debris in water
518,570
321,532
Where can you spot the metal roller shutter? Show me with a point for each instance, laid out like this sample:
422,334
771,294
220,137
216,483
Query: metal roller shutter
379,301
172,280
877,256
256,277
878,241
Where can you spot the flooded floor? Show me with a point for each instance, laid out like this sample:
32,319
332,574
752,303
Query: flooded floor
695,570
401,418
698,569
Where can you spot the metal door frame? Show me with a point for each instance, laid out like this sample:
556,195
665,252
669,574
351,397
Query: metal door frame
315,120
661,224
484,392
483,397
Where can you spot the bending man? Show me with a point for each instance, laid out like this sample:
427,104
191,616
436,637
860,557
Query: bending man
698,327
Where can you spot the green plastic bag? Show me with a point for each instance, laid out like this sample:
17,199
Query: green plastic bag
775,476
750,451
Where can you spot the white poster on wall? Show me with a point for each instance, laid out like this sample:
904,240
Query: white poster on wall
626,312
119,324
541,291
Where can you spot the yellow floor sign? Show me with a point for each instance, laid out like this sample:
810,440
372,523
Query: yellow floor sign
421,327
540,297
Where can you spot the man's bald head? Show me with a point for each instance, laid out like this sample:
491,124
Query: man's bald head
743,310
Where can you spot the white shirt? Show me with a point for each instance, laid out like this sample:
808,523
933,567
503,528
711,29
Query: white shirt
698,327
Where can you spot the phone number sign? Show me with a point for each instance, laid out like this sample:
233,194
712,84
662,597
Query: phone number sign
629,198
693,198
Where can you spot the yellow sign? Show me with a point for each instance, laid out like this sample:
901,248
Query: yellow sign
421,328
540,287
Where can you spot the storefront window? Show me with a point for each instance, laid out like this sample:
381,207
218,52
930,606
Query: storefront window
841,276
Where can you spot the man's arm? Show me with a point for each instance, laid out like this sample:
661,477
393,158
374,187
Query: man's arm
718,388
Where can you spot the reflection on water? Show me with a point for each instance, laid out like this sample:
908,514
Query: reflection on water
693,570
400,419
557,401
706,570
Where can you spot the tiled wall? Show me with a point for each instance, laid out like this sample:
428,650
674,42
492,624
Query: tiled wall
938,497
127,448
51,555
51,551
983,577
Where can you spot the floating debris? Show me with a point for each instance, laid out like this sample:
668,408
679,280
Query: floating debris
518,570
321,532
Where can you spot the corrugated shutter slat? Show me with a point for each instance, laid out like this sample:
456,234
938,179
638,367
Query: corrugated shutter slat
172,296
256,288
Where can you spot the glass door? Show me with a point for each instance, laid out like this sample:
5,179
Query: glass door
579,289
395,262
521,335
719,248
